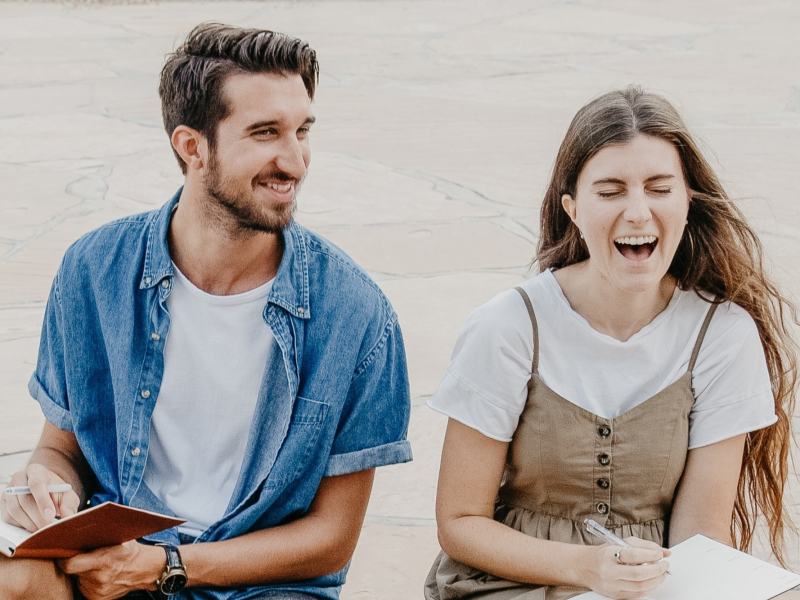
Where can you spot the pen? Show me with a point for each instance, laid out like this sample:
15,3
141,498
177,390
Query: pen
598,530
23,490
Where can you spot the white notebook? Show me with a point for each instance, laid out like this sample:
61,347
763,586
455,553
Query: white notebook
701,568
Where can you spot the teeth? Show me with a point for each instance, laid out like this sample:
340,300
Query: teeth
279,187
636,240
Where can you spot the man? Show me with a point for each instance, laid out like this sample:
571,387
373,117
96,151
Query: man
216,361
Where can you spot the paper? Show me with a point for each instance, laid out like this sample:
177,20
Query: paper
702,568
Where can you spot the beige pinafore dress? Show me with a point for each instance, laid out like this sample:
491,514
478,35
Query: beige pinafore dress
566,463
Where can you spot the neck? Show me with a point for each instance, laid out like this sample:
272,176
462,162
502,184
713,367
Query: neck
609,310
216,255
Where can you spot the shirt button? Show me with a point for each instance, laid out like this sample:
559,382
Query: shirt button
154,336
603,483
145,394
136,451
165,284
147,280
300,310
604,431
602,508
604,459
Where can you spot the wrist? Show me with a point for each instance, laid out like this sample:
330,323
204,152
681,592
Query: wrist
151,559
583,563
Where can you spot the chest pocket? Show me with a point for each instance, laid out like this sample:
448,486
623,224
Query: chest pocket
298,450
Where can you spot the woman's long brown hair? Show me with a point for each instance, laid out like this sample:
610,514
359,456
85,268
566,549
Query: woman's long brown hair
719,256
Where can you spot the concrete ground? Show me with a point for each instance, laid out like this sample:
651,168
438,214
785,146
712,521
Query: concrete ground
437,125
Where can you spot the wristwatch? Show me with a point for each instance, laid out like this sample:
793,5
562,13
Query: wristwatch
173,579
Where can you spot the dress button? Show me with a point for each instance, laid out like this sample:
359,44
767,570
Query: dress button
602,508
604,431
603,483
145,394
136,451
604,459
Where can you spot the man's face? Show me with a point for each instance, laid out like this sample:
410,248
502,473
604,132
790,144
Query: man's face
261,151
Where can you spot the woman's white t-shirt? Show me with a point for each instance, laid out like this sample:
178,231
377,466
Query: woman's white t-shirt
485,386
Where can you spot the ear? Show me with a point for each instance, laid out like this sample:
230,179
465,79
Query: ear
191,146
568,204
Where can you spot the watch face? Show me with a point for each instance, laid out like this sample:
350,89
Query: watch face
173,583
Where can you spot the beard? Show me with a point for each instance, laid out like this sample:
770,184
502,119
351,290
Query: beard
236,206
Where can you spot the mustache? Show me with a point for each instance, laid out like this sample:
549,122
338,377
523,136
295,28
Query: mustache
275,175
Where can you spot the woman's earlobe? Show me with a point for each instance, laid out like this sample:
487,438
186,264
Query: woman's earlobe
568,204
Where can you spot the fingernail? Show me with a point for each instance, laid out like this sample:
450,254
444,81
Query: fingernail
49,514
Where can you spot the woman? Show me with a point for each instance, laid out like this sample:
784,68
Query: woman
643,379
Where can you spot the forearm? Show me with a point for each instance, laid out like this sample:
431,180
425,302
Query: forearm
682,529
504,552
303,549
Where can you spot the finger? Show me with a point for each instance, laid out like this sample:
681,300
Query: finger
643,573
638,589
640,543
638,556
37,481
80,563
28,504
69,504
19,516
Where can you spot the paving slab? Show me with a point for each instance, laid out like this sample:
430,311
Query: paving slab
438,123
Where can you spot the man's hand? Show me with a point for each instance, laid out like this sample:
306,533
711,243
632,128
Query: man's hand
39,508
112,572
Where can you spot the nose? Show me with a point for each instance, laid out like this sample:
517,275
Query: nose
637,210
292,157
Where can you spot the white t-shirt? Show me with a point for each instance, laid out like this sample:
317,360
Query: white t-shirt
485,386
214,360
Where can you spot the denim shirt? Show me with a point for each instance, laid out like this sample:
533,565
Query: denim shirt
333,400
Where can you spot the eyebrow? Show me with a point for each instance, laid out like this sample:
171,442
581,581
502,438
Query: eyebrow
274,123
621,182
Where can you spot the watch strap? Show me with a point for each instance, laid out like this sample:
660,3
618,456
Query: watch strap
173,556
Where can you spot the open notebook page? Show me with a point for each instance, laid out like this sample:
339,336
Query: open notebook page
702,568
10,535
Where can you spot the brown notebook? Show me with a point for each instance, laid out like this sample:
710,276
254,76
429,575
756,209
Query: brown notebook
107,524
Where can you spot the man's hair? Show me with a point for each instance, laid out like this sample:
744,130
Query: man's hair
193,76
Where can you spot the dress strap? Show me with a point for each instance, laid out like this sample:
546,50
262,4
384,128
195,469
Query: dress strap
532,315
701,335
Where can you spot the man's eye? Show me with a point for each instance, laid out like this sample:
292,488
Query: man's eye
264,132
303,131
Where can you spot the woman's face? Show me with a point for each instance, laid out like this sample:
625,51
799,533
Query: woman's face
630,204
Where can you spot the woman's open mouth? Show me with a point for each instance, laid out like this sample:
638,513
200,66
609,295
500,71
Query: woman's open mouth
636,247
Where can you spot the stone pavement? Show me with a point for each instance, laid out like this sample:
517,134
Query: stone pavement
437,125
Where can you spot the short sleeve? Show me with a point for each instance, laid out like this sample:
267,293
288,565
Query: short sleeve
374,423
485,386
732,386
48,384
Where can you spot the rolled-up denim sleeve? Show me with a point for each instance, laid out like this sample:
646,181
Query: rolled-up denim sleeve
48,384
373,426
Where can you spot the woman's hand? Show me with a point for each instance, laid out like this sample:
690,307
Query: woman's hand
640,569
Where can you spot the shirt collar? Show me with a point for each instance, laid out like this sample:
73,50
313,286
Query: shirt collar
289,289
